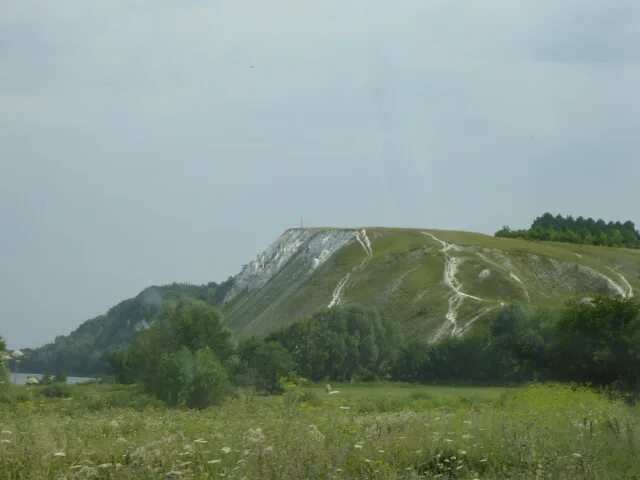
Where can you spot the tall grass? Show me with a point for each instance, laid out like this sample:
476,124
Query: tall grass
537,432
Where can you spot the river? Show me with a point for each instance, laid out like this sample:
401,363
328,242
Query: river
21,378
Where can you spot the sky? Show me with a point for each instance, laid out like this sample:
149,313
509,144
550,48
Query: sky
151,141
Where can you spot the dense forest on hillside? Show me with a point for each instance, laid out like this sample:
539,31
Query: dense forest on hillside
577,230
85,350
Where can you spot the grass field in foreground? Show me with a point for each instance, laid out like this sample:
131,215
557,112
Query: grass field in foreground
375,432
402,392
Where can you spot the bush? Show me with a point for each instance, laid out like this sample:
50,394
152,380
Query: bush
263,364
202,380
56,390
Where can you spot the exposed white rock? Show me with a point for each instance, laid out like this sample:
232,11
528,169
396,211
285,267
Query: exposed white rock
457,296
308,246
524,288
484,274
338,292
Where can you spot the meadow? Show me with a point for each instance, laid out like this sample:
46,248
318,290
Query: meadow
368,431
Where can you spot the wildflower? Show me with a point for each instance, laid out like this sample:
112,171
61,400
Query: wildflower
418,452
255,435
5,432
458,467
315,433
367,460
59,454
267,450
121,439
214,461
225,450
380,451
462,452
200,440
75,467
358,446
5,440
104,465
577,455
466,436
467,422
344,408
483,460
448,440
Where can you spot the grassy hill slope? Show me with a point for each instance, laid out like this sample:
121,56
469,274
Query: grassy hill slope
431,282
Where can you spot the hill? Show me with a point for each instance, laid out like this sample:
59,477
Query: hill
84,351
432,283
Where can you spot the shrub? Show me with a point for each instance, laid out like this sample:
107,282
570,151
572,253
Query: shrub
202,380
56,390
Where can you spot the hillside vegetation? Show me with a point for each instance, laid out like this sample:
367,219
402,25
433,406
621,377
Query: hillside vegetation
430,284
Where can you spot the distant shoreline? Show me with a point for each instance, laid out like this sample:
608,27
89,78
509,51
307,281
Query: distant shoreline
16,378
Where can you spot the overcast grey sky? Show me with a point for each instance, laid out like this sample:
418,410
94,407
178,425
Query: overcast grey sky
150,141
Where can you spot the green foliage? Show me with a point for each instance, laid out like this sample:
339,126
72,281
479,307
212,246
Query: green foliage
341,343
4,367
201,378
599,342
55,390
263,364
591,341
579,230
86,351
179,359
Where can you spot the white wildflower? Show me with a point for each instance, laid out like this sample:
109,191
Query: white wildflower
200,440
214,461
358,446
255,435
577,455
104,465
225,450
315,433
59,454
